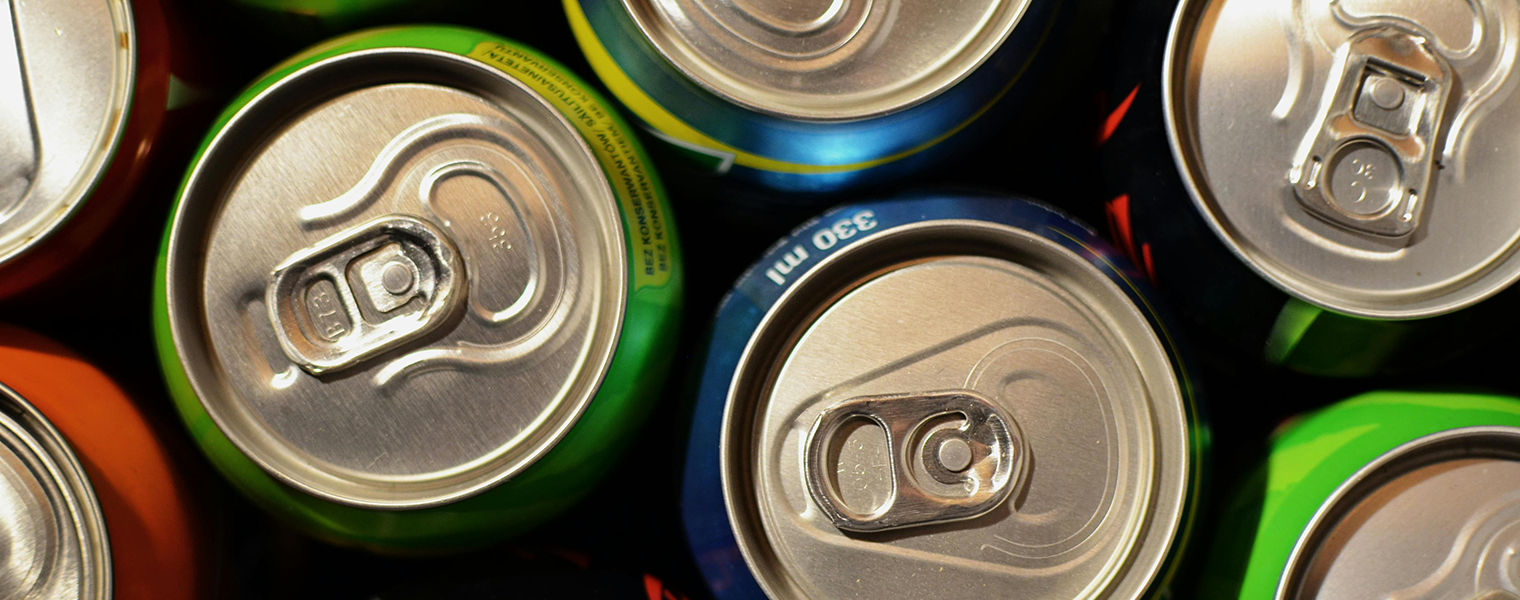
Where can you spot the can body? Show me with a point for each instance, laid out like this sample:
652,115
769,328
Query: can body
786,153
110,189
711,506
1153,221
1313,456
622,397
157,537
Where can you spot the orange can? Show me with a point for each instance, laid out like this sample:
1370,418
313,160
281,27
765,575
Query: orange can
92,102
73,444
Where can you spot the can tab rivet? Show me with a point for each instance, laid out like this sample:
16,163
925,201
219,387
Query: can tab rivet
364,291
1367,163
954,455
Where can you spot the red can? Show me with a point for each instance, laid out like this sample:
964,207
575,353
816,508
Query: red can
133,528
86,84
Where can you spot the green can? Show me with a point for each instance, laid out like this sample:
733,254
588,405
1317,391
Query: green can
1385,495
419,288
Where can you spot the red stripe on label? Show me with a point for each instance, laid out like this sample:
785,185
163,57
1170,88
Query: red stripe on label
1118,226
1150,266
1115,118
652,587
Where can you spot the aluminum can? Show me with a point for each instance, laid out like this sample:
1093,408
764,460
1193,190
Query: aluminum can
941,396
84,85
1385,495
823,96
419,288
1233,136
96,507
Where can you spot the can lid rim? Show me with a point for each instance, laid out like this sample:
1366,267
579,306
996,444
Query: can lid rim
457,484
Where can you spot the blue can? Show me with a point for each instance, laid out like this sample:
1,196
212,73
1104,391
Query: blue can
769,93
876,388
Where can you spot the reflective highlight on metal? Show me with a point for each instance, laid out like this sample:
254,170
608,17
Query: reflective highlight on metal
1368,163
976,460
55,545
363,291
1460,487
67,71
815,96
1058,457
1376,111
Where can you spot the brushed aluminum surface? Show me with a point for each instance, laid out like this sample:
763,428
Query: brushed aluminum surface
53,542
67,69
1012,318
1438,517
827,59
411,404
1416,161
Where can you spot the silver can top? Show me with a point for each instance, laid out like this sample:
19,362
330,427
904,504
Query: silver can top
826,59
1029,438
1356,153
66,76
1438,517
402,294
54,543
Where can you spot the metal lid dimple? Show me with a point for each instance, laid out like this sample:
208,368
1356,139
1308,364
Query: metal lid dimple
66,77
954,409
827,59
52,536
1357,153
402,295
1436,518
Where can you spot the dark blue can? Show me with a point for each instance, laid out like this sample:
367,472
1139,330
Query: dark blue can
867,93
981,298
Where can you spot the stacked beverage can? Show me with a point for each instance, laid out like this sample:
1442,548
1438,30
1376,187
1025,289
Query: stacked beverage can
1386,495
96,504
941,396
820,97
485,273
80,115
1318,184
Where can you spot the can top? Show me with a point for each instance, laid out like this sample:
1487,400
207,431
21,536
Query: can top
827,59
1438,517
396,278
880,441
55,543
1357,154
66,76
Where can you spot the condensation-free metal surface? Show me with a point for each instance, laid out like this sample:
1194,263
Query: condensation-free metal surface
1441,526
52,537
1028,326
66,76
827,59
446,411
1246,83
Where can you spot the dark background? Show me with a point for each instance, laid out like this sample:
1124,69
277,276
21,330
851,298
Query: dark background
629,525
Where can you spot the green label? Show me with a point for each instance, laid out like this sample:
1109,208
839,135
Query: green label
649,246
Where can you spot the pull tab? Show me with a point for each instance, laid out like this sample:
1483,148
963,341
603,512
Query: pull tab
364,291
940,470
18,141
1367,164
